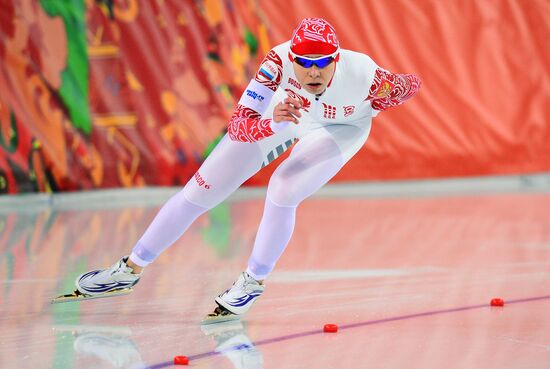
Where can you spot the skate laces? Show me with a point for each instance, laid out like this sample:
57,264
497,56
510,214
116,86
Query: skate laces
126,268
122,268
250,284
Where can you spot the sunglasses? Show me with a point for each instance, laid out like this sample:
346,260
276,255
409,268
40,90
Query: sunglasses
320,62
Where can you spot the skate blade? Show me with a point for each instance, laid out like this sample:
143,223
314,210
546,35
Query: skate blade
218,318
77,296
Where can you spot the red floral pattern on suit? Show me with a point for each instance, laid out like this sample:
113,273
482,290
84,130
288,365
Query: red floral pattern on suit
389,89
306,104
246,126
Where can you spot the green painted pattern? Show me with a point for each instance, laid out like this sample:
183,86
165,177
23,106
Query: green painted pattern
74,85
10,145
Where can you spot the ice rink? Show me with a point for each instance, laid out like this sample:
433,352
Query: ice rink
406,270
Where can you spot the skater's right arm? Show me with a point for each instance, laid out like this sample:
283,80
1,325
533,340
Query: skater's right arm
390,89
246,124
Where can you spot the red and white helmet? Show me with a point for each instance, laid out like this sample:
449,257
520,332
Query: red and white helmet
314,36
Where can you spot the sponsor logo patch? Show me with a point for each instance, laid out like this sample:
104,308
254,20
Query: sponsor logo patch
201,182
254,95
306,104
348,110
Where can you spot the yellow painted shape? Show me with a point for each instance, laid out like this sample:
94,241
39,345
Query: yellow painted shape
169,101
115,120
213,11
133,82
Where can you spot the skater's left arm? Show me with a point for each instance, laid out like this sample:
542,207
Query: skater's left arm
246,123
390,89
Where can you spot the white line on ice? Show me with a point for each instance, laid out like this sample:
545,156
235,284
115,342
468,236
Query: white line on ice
324,275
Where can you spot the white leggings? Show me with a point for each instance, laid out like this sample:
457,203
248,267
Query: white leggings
315,159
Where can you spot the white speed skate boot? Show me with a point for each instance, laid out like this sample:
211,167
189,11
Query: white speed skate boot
236,301
114,281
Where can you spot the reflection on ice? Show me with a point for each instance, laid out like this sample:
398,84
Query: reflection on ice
233,343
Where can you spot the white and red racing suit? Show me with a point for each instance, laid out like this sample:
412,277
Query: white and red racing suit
333,127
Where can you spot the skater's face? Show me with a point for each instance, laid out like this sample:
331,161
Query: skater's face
314,72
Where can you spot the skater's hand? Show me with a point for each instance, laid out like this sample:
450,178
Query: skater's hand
288,110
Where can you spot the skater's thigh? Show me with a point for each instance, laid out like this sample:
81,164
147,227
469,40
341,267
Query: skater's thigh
228,166
314,160
350,138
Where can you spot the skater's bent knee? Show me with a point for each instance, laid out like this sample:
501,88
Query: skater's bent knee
282,195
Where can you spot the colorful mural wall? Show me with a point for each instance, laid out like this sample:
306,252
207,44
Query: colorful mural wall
103,93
